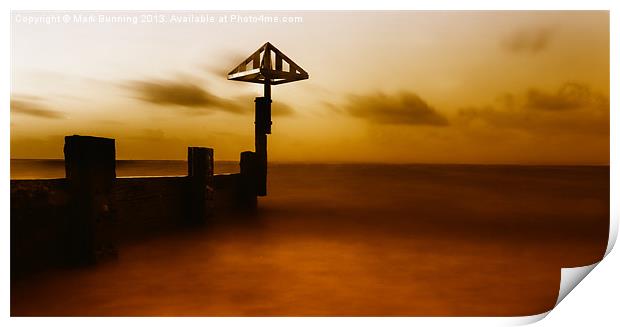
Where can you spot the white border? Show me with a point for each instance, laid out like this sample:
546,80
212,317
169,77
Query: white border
594,301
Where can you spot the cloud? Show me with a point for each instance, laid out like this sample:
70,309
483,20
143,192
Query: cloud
573,108
198,100
569,96
31,106
531,40
404,108
183,94
220,65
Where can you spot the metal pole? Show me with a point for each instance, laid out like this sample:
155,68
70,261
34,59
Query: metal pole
267,89
261,129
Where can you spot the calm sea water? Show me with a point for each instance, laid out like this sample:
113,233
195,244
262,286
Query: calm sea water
55,168
350,240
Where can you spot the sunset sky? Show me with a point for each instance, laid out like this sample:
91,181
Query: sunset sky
428,87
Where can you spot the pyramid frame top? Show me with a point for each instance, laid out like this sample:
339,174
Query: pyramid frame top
263,70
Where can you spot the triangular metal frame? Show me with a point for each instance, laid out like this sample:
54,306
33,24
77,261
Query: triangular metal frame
263,70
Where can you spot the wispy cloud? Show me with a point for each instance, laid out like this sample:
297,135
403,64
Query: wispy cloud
222,64
196,99
569,96
404,108
531,40
183,94
32,106
572,108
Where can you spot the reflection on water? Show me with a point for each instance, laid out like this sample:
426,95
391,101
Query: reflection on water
353,240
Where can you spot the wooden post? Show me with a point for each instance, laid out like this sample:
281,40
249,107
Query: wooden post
90,169
249,179
261,129
201,183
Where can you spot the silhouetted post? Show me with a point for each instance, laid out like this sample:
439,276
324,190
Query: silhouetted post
90,169
261,129
267,72
201,183
249,179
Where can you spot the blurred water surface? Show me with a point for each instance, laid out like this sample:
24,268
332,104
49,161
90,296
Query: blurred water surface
349,239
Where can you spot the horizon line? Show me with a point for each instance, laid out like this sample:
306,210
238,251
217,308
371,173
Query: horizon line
339,162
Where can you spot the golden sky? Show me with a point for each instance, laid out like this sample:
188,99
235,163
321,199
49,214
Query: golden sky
430,87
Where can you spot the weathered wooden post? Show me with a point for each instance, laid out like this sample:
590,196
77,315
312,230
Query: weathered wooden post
249,169
269,67
201,183
90,168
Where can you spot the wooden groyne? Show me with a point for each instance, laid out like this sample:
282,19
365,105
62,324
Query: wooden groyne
79,219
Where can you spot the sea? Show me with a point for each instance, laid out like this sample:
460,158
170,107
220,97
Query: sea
349,240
